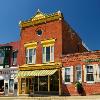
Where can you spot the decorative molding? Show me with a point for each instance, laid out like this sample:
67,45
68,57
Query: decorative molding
41,18
30,45
48,42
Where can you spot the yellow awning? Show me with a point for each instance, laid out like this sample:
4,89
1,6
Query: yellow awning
35,73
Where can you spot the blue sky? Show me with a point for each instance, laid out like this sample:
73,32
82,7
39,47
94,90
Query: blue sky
82,15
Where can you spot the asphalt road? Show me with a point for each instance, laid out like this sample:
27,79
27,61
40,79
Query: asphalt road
53,98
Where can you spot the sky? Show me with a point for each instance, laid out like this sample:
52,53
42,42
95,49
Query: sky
82,15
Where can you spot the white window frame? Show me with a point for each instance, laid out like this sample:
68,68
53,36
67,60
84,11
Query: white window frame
93,74
51,54
33,56
77,71
65,76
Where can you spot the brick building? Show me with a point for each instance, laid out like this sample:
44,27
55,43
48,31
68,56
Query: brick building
8,68
83,67
44,39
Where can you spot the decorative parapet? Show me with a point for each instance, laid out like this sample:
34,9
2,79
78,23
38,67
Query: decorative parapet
41,18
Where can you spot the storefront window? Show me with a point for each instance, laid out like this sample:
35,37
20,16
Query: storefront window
43,83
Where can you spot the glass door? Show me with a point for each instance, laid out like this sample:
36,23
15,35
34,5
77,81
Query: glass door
11,85
23,85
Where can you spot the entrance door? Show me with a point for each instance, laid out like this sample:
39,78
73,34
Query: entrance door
15,89
54,82
6,88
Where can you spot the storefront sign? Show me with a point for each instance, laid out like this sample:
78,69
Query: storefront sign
92,60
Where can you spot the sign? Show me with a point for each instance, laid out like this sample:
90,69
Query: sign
92,60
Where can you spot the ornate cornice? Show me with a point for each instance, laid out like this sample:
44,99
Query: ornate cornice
40,18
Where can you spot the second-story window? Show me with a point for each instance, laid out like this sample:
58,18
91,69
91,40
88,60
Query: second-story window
48,54
14,58
31,56
2,55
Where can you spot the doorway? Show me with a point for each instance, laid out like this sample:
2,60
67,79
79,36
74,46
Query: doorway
1,86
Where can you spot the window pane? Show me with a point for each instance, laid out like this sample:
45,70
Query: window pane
67,78
30,55
43,55
14,58
89,69
26,56
52,53
34,56
47,54
90,77
67,71
34,51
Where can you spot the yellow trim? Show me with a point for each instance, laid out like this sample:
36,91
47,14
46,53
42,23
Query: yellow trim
30,45
35,73
46,64
49,42
41,18
40,66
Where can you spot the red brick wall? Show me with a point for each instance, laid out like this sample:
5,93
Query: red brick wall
71,42
50,30
65,41
74,60
89,89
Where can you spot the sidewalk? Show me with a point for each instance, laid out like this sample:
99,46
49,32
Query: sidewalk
94,97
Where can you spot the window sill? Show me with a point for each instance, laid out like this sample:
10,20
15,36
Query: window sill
30,63
67,83
90,82
47,62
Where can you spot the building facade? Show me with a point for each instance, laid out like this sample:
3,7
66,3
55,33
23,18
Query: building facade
84,68
49,58
8,68
44,38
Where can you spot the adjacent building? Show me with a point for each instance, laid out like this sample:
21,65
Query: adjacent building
84,68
